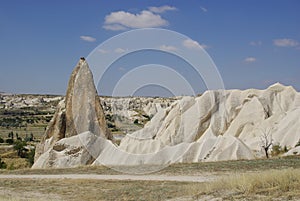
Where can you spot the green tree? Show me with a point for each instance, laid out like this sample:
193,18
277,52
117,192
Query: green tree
19,146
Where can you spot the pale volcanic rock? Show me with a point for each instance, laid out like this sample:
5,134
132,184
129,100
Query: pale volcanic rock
227,125
79,112
218,125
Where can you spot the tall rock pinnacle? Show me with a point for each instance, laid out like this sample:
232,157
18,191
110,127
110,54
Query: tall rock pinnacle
80,111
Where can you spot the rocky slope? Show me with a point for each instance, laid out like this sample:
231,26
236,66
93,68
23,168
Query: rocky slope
222,125
219,125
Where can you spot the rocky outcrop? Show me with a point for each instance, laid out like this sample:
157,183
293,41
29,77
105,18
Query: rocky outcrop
83,108
218,125
77,150
222,125
79,112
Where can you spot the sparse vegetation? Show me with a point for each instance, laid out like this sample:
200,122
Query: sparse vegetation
267,184
221,167
19,146
2,164
277,150
82,189
30,156
266,141
9,141
255,180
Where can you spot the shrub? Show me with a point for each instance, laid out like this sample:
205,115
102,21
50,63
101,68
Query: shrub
11,166
20,147
9,141
1,140
2,164
30,157
277,150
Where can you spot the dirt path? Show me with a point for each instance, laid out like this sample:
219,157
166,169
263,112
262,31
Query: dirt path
114,177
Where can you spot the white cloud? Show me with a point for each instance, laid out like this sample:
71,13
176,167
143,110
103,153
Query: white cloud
191,44
88,38
119,50
114,27
167,48
203,9
121,20
102,51
285,42
250,60
161,9
255,43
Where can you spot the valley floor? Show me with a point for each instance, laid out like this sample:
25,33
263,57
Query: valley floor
273,179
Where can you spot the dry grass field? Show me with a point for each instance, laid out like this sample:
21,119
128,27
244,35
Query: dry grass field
273,179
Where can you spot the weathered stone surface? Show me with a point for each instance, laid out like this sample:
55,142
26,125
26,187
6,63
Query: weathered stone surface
218,125
54,132
71,152
79,112
83,109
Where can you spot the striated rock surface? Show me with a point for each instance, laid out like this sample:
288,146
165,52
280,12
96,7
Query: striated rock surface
73,151
83,108
79,112
222,125
218,125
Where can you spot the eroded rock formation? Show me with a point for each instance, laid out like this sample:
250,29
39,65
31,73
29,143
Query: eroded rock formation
218,125
79,112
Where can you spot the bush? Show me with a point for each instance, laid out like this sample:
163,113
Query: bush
9,141
277,150
1,140
30,157
2,164
20,147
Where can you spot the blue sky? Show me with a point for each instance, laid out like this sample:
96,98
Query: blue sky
253,43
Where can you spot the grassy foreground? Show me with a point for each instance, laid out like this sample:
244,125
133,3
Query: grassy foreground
221,167
266,185
273,179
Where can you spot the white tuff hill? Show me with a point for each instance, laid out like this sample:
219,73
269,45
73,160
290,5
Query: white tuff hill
219,125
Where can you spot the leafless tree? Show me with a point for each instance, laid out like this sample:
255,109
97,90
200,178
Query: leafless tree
266,141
